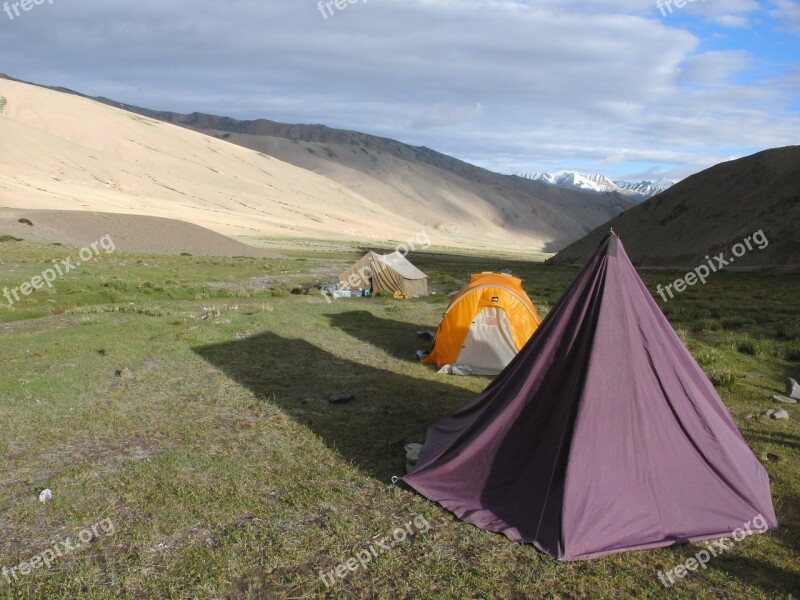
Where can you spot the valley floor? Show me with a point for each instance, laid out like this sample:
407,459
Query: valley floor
185,416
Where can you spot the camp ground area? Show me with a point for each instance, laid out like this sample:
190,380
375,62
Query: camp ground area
194,427
400,300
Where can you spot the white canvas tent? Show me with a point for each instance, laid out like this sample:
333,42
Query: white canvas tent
385,273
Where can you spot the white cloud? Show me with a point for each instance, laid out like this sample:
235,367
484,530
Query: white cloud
506,84
725,13
787,13
442,115
714,67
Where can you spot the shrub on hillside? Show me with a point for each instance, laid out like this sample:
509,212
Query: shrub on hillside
745,344
705,325
721,377
789,330
734,322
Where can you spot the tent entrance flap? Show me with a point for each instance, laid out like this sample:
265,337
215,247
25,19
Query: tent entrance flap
489,345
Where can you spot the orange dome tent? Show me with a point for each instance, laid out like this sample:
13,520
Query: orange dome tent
485,324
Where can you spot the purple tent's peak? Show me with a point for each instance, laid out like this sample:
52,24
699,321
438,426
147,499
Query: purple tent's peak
610,245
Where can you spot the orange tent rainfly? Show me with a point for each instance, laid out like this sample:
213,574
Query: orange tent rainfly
485,324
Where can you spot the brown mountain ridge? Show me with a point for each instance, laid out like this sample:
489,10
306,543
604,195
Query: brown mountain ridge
415,182
708,213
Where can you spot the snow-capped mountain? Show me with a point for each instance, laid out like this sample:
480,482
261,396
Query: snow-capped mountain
644,188
601,183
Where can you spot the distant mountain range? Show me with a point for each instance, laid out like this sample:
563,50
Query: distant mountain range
711,213
457,199
264,178
600,183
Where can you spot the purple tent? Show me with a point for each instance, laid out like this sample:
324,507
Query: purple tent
602,435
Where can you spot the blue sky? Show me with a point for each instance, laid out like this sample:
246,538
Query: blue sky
606,86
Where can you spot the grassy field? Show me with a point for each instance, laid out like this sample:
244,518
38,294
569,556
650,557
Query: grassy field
215,467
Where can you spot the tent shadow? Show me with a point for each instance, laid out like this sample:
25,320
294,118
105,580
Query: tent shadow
398,338
389,410
783,439
769,577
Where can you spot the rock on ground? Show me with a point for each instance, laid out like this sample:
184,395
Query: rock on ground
341,397
124,373
792,389
780,399
412,456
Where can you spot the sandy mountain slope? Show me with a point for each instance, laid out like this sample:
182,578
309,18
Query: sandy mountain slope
710,212
65,152
445,194
130,233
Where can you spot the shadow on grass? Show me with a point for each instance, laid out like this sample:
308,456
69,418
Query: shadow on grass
770,577
781,439
398,338
388,411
